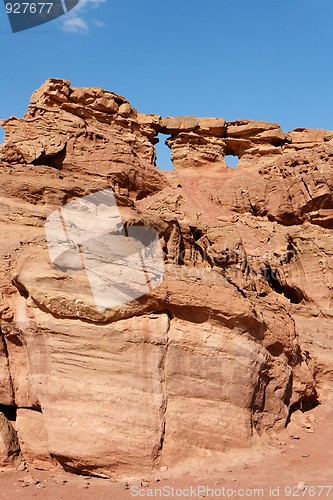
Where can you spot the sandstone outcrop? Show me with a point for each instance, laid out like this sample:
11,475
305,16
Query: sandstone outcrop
215,358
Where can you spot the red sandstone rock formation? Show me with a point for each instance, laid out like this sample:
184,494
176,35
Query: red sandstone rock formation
216,357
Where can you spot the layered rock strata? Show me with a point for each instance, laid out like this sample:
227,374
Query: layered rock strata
215,358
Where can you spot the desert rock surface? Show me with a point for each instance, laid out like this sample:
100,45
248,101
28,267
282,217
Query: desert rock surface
218,357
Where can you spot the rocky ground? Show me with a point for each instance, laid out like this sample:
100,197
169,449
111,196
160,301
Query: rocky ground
303,459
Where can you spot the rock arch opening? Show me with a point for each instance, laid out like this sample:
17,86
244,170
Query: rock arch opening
231,160
163,153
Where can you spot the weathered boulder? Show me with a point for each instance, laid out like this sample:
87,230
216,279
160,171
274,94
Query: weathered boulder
33,439
9,446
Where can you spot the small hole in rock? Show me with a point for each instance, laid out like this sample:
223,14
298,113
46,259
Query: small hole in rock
2,135
303,406
231,161
163,153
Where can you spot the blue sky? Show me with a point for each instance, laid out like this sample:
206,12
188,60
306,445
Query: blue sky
260,59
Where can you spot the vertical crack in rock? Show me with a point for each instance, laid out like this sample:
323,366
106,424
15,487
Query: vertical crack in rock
307,189
259,398
163,377
10,379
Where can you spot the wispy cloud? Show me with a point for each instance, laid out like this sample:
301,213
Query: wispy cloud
98,23
76,21
75,24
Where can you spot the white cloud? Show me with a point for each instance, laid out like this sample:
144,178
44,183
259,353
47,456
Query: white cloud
75,24
76,20
98,23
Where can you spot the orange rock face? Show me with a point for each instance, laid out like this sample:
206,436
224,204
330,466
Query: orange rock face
236,335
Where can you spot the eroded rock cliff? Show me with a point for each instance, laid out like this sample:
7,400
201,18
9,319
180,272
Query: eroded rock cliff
236,336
